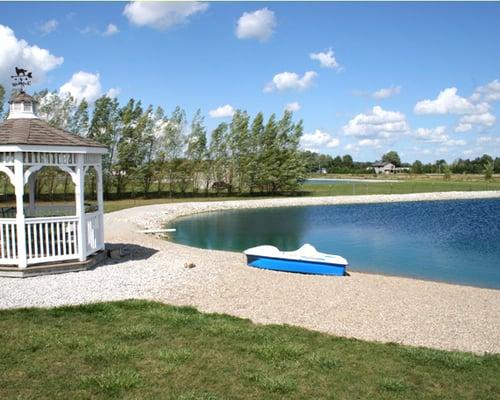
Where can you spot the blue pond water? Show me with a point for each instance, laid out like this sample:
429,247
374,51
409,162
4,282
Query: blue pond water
452,241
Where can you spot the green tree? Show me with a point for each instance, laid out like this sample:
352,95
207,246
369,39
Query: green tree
154,163
489,170
239,141
347,162
218,154
56,110
173,145
254,152
196,149
417,167
79,123
292,168
269,162
392,157
497,165
104,128
446,172
130,148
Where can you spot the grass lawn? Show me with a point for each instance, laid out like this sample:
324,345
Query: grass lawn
145,350
400,187
348,189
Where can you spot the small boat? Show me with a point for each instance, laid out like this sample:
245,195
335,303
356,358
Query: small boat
306,260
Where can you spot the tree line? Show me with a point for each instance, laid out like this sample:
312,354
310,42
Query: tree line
150,151
346,165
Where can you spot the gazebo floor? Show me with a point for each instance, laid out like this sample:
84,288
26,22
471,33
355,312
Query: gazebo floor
12,271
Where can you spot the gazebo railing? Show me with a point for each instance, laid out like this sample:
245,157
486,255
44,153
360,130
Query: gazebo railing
94,239
8,241
51,239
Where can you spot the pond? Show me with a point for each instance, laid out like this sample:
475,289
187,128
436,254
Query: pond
453,241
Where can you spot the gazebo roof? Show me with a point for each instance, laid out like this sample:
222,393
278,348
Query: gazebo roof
34,131
22,96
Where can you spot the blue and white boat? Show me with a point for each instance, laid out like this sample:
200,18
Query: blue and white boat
306,260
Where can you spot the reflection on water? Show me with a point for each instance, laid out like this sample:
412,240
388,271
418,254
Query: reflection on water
453,241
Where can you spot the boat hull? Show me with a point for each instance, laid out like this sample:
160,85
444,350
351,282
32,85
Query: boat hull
298,266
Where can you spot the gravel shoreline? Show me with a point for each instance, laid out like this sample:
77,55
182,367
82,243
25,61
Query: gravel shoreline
364,306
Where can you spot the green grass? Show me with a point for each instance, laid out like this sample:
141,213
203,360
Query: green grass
400,187
145,350
396,187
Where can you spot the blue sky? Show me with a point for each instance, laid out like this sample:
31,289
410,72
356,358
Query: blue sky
420,78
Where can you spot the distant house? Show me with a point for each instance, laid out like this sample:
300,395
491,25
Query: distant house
381,167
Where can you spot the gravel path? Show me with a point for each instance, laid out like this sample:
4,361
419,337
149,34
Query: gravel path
364,306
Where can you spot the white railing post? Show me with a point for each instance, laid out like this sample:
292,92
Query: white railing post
21,230
80,207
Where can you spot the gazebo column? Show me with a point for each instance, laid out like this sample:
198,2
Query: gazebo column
100,204
20,221
32,189
80,207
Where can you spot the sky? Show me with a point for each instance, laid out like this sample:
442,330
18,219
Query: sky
419,78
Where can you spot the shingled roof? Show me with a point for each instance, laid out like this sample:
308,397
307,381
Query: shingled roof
23,96
34,131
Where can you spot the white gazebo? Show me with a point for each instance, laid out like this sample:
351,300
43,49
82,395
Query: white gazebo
30,244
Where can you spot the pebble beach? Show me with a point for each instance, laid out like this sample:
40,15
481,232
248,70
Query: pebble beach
363,306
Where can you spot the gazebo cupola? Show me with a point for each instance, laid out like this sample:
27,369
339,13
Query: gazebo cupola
22,106
31,240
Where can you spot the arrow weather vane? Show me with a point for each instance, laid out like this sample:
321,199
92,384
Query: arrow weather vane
21,79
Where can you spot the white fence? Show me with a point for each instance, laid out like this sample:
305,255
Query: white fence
8,241
51,239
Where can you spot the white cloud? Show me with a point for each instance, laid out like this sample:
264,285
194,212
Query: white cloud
369,143
83,85
326,59
485,119
259,25
111,29
293,107
351,147
461,127
334,142
89,29
290,80
113,92
378,123
447,102
437,135
488,139
162,15
15,52
222,112
49,26
317,139
384,93
488,93
455,142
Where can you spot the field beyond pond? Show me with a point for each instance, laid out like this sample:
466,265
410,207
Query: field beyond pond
388,185
139,349
348,188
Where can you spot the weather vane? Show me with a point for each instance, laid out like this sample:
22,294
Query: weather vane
21,79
